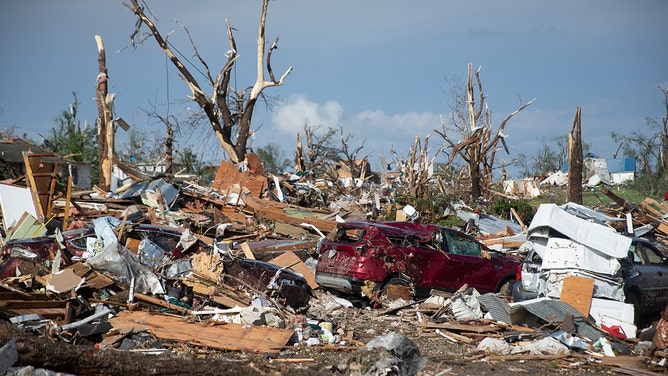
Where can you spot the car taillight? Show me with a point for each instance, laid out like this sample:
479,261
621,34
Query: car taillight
518,273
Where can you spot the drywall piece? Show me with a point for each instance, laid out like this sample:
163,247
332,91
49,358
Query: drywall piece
247,250
63,281
14,201
577,292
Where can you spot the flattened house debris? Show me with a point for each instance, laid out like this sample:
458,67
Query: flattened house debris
231,268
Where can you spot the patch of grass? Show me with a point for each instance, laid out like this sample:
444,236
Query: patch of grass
591,197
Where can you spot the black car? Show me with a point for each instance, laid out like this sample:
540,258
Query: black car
644,273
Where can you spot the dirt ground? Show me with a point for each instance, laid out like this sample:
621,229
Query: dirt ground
363,325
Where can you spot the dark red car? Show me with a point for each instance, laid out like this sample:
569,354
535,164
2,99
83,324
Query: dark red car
422,256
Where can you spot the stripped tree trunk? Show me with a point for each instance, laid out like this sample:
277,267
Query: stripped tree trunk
105,127
575,161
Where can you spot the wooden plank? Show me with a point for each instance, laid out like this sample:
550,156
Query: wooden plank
662,228
94,279
323,225
11,295
25,304
463,327
162,303
68,199
577,292
290,260
234,337
623,361
247,250
50,309
42,180
519,220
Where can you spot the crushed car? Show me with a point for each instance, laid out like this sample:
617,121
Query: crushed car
624,269
421,256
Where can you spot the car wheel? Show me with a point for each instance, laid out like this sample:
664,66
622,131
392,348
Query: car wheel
507,288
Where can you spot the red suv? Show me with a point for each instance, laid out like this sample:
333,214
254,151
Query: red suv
422,256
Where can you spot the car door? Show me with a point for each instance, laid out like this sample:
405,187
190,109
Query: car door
657,271
463,263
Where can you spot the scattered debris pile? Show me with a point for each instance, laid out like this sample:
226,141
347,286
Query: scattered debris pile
226,275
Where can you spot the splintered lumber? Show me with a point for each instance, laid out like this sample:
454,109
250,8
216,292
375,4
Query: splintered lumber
527,357
235,337
39,352
463,327
162,303
50,309
288,215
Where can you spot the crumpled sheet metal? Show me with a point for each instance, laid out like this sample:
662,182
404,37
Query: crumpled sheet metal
555,311
601,238
551,284
568,254
104,229
124,266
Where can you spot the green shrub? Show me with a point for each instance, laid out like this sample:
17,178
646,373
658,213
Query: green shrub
501,209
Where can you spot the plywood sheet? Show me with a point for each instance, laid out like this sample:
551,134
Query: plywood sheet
235,337
577,292
292,261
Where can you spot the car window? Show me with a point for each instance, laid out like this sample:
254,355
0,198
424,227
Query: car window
636,253
534,257
461,245
653,257
79,242
348,235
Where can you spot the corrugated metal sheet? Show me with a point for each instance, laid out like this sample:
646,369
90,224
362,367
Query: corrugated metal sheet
169,191
549,310
554,311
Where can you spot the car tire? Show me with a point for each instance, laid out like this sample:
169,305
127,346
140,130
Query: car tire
634,298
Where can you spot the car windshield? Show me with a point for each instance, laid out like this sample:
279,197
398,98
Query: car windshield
460,244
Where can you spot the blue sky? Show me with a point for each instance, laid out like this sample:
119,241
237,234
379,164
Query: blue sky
379,69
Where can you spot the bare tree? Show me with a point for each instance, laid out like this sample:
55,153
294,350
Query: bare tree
415,167
478,148
357,168
227,107
320,154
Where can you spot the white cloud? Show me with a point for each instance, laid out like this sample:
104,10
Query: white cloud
298,110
